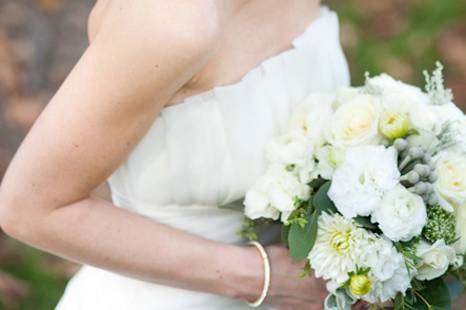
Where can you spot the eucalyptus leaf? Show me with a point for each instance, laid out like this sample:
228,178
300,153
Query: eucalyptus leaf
321,201
302,239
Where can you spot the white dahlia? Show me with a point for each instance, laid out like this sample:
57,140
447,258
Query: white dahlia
337,249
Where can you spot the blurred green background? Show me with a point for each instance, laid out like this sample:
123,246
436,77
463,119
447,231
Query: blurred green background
40,40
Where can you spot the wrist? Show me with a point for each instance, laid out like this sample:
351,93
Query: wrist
245,278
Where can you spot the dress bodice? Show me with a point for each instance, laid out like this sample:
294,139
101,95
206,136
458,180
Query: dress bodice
205,153
209,149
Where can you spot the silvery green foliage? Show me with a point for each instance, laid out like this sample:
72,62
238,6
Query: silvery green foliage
339,300
449,136
437,92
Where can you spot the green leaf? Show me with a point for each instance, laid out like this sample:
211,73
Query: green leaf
412,132
399,302
302,239
434,296
317,183
321,201
306,270
365,222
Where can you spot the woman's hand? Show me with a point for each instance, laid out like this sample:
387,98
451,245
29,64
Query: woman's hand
287,290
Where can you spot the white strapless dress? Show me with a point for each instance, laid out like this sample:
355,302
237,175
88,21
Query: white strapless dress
203,154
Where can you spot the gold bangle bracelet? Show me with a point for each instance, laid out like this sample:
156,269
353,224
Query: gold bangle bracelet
266,263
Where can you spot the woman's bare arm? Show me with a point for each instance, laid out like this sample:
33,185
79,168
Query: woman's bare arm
144,52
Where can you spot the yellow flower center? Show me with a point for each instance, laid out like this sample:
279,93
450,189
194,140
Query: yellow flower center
340,241
360,284
394,124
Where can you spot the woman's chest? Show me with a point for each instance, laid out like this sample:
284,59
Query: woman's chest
253,33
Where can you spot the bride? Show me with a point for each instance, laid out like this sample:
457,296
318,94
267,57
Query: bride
172,104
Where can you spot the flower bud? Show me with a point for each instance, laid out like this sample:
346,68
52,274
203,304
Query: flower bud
360,284
400,144
421,188
394,124
422,170
415,152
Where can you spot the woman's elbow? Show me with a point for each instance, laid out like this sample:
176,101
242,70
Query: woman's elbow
13,219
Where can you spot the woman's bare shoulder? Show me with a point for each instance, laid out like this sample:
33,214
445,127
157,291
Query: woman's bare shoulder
180,22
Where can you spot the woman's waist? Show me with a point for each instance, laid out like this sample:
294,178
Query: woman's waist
209,221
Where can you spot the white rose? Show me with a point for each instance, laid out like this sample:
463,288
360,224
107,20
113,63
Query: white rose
408,99
345,94
411,102
388,85
311,118
277,189
257,205
360,182
355,122
289,149
401,215
451,183
293,149
435,259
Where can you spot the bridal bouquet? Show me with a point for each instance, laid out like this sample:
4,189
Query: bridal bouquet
370,186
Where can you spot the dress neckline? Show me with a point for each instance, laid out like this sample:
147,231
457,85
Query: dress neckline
295,44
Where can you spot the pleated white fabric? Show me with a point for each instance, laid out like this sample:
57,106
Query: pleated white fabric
205,153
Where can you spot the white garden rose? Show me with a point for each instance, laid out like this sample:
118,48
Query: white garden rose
409,103
451,183
289,149
311,118
401,214
406,99
387,85
362,179
276,190
435,259
345,94
355,122
257,205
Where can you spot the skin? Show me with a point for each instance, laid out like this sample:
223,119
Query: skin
145,55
